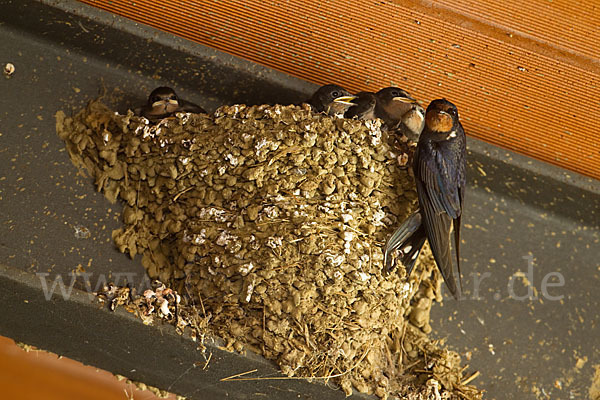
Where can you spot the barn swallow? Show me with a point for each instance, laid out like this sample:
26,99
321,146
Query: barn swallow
331,99
164,102
413,122
400,111
363,106
440,174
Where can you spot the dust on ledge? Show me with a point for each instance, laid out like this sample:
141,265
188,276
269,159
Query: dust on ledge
269,222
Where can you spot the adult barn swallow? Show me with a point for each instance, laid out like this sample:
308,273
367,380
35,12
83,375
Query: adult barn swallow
440,174
363,106
164,102
331,99
400,111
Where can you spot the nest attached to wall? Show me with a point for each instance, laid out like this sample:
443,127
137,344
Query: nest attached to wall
270,221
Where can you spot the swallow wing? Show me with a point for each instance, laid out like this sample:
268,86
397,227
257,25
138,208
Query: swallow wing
440,205
461,180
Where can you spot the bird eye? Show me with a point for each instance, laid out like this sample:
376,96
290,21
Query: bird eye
335,94
173,97
395,94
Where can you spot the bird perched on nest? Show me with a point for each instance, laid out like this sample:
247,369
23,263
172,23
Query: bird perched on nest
395,107
400,112
331,100
164,102
440,174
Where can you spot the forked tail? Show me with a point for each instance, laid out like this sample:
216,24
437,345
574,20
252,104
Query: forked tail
408,239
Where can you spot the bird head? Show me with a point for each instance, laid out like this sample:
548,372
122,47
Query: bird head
331,99
442,117
414,119
164,99
345,100
395,102
394,94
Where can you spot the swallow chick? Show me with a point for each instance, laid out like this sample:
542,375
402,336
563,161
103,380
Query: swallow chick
400,112
331,99
440,174
363,107
413,122
164,102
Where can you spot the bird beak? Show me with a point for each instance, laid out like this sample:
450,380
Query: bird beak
174,102
345,100
160,103
404,99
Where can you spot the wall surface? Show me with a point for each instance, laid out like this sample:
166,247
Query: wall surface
525,75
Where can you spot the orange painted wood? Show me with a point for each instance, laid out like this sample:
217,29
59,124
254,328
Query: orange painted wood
36,375
524,75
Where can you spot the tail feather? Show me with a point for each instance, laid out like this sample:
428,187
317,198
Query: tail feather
456,223
409,238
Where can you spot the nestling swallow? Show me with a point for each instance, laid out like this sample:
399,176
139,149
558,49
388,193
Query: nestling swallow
164,102
331,100
363,106
400,112
440,175
413,122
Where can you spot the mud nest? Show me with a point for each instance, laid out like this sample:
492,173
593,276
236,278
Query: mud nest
269,220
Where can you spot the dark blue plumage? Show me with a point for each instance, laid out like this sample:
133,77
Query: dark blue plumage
440,174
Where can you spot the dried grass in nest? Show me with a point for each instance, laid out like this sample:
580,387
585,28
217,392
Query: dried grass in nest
272,219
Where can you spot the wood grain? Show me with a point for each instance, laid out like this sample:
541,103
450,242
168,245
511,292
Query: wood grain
524,75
